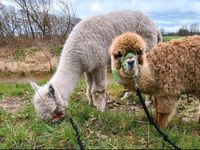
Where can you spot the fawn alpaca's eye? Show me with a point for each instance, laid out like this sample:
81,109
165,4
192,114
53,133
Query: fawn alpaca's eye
118,55
139,51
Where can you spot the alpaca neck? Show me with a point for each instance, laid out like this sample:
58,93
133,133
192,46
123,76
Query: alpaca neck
65,81
146,80
68,71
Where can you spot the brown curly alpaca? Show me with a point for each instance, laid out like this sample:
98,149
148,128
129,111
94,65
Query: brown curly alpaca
167,71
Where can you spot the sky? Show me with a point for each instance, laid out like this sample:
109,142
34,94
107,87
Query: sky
167,14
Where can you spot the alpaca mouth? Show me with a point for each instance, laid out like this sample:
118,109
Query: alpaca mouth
57,116
130,71
130,68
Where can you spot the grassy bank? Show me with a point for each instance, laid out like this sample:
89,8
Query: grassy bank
33,56
27,58
122,125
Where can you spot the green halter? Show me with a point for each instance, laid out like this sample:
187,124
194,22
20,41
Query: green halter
123,62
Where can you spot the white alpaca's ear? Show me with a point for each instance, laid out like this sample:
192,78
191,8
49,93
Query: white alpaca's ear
34,85
51,91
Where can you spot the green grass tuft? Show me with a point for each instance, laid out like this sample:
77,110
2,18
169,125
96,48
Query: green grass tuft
56,51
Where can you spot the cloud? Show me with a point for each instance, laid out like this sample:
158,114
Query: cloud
165,13
96,6
166,5
6,2
175,19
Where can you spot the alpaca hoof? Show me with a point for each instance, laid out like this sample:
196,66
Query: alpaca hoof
101,109
90,103
99,100
101,106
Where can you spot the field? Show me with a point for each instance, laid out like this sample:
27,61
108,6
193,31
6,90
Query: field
168,38
122,126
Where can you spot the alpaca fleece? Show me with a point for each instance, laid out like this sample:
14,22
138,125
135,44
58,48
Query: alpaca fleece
167,71
86,50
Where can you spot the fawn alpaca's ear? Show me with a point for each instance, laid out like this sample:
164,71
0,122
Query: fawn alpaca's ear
34,85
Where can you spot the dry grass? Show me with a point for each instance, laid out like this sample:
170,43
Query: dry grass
28,56
36,62
24,42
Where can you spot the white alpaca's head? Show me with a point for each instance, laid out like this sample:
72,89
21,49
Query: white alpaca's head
47,101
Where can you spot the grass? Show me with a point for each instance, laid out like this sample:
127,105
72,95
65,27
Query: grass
56,50
20,54
168,38
117,127
121,126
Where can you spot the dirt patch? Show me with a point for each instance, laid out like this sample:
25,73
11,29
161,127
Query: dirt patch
11,105
117,105
187,109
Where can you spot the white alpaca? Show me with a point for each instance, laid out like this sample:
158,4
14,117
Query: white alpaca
86,50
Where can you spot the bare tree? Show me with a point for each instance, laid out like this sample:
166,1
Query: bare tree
24,7
37,19
69,14
194,28
6,18
183,31
31,9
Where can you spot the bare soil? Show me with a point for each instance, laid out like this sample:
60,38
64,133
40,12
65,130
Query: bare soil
11,105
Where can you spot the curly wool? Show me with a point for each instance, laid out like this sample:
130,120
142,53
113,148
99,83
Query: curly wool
167,71
174,69
175,66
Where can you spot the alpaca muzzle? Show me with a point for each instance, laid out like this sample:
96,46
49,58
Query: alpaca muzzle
57,116
130,64
123,63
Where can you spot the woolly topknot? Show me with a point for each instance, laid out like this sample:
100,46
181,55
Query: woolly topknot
128,42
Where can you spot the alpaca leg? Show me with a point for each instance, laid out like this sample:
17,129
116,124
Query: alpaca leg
165,109
89,82
199,115
198,97
99,87
155,104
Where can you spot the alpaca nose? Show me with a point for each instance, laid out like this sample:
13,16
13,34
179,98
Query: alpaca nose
131,63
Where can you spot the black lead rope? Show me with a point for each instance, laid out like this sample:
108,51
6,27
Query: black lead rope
78,137
165,136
